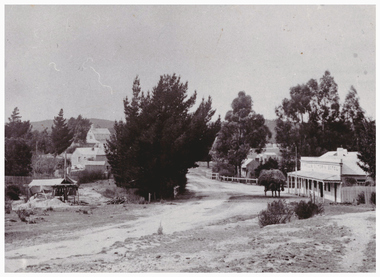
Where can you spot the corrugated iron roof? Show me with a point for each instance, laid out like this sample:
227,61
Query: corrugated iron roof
315,175
46,182
50,182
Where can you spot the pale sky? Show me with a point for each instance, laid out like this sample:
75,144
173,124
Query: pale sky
84,58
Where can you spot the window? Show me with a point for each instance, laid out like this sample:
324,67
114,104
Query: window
329,186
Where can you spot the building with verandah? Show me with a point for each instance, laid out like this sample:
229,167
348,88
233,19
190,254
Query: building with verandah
324,177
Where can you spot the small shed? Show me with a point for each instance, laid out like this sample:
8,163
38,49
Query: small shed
57,187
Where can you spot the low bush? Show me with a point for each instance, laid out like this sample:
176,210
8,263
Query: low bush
109,193
305,210
23,214
373,198
89,176
277,212
12,192
361,198
8,207
224,169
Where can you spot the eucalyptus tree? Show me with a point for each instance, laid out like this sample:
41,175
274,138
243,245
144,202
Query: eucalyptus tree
242,130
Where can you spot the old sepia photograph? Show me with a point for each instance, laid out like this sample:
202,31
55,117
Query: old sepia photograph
189,138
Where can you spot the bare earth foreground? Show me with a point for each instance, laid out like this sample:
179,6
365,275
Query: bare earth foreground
212,228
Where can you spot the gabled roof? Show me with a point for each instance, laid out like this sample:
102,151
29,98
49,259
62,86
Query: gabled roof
349,161
246,162
100,134
100,131
51,182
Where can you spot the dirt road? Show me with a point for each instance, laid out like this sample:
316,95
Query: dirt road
217,223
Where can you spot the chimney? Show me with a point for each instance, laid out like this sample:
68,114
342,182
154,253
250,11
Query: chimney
341,152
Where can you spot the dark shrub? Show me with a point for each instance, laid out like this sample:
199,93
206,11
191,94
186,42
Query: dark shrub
224,169
12,192
361,198
277,212
23,214
88,176
349,181
8,207
305,210
373,198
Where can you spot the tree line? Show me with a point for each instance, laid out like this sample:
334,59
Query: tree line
24,146
311,120
164,134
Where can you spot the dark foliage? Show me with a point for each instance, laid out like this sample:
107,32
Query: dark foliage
277,212
305,210
12,192
61,135
16,128
8,206
18,153
367,147
41,142
18,157
269,164
161,139
242,130
224,169
360,199
312,120
373,198
79,127
24,214
89,176
349,181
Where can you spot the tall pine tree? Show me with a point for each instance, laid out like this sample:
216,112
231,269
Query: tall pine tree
160,139
61,135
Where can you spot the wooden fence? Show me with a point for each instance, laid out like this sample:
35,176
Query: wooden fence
18,180
350,194
216,176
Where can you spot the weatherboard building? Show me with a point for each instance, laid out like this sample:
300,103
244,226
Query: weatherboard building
324,176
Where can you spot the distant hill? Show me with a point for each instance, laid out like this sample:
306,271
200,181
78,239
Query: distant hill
100,123
104,123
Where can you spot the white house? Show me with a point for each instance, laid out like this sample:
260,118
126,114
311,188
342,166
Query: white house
253,159
324,176
97,136
91,158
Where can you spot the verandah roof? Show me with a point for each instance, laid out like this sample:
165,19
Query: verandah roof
315,175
